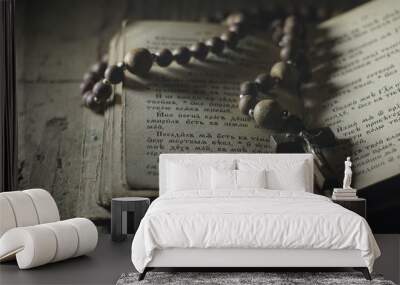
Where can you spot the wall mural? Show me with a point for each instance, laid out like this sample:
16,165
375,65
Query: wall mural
86,148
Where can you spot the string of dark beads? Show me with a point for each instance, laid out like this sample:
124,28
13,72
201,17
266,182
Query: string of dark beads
97,90
288,74
96,87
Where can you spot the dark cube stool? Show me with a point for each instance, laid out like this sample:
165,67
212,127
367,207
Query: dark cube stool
126,214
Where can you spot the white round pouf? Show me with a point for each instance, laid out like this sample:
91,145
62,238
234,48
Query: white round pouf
67,240
7,218
23,208
33,246
87,233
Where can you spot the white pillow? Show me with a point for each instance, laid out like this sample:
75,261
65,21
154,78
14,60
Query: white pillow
223,179
294,178
187,176
251,179
281,175
181,177
226,179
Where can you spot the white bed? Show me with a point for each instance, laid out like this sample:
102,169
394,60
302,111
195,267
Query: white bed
251,226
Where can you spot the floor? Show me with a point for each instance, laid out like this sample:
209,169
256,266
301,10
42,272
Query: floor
103,266
110,259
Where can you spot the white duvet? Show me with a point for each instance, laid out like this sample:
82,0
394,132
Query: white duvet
250,219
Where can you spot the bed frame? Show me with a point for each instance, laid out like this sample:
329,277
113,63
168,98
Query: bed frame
250,258
243,259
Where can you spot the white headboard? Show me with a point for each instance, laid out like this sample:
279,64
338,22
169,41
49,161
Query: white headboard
210,157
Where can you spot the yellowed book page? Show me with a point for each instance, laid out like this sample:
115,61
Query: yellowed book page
357,91
189,109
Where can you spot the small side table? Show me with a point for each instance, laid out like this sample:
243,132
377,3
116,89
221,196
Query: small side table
126,214
358,205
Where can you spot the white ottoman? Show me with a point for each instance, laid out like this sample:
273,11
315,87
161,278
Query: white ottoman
31,232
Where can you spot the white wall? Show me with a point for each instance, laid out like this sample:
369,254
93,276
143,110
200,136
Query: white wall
389,262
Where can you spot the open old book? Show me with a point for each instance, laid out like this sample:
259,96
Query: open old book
355,91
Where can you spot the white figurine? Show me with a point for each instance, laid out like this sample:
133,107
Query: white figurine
347,174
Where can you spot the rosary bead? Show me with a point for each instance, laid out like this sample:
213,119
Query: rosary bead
296,30
290,40
89,100
216,45
265,82
199,51
231,39
91,76
240,29
86,98
276,24
246,103
291,21
182,55
268,114
122,65
164,57
138,61
289,54
293,27
102,91
86,85
286,73
277,35
248,88
251,113
99,68
114,74
236,18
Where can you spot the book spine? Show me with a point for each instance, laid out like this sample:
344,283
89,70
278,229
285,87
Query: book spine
345,194
347,199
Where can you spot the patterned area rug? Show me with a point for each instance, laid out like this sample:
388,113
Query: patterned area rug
243,278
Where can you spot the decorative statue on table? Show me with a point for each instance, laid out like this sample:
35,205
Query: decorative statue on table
347,192
347,174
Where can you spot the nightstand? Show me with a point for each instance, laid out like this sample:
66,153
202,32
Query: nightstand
126,214
358,205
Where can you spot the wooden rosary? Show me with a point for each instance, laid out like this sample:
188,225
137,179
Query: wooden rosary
287,32
289,73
